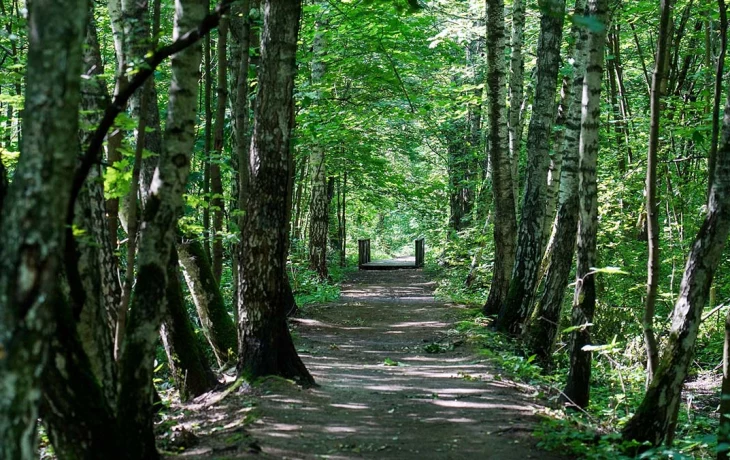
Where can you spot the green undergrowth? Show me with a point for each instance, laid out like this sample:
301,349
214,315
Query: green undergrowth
618,386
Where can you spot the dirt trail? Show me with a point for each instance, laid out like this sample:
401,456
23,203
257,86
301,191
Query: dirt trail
428,406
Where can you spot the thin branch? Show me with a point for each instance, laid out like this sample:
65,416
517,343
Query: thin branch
92,155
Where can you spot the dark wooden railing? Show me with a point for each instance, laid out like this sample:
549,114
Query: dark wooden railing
420,252
363,252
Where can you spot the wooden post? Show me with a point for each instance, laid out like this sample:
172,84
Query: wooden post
363,252
420,252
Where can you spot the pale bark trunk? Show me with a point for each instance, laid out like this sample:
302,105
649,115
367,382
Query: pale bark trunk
543,327
217,325
516,92
32,236
577,390
156,240
505,226
320,203
518,303
652,282
655,418
266,346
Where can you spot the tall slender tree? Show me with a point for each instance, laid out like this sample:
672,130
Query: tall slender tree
518,303
505,221
577,390
652,224
320,198
543,327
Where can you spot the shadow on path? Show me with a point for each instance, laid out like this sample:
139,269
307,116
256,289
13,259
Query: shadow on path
381,395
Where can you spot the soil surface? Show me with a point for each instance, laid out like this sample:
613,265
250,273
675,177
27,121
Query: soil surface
381,394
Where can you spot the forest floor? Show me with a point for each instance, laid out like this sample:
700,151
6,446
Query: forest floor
383,392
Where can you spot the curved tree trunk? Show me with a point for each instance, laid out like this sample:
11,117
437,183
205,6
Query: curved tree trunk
266,347
577,390
518,303
187,362
505,226
161,213
543,327
655,418
32,236
217,325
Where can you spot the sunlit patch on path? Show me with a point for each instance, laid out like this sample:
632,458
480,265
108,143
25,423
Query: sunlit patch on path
381,395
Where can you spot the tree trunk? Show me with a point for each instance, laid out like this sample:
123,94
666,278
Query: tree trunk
516,92
319,204
157,237
719,72
216,182
188,364
723,435
518,303
655,418
543,327
577,390
505,226
266,347
32,236
652,282
218,327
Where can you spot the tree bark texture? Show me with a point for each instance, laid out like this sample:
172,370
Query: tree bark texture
518,304
543,327
266,347
32,236
319,199
156,240
516,92
505,225
577,390
218,327
655,418
216,181
188,364
652,281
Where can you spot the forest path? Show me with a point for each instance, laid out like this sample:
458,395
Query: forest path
380,395
442,406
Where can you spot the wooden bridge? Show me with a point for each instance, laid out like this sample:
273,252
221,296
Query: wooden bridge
364,262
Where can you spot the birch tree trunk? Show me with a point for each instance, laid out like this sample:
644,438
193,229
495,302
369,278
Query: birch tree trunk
577,390
265,345
518,303
516,92
157,237
543,327
320,203
505,226
32,235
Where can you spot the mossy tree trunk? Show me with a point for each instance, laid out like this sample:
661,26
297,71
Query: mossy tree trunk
217,324
32,235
